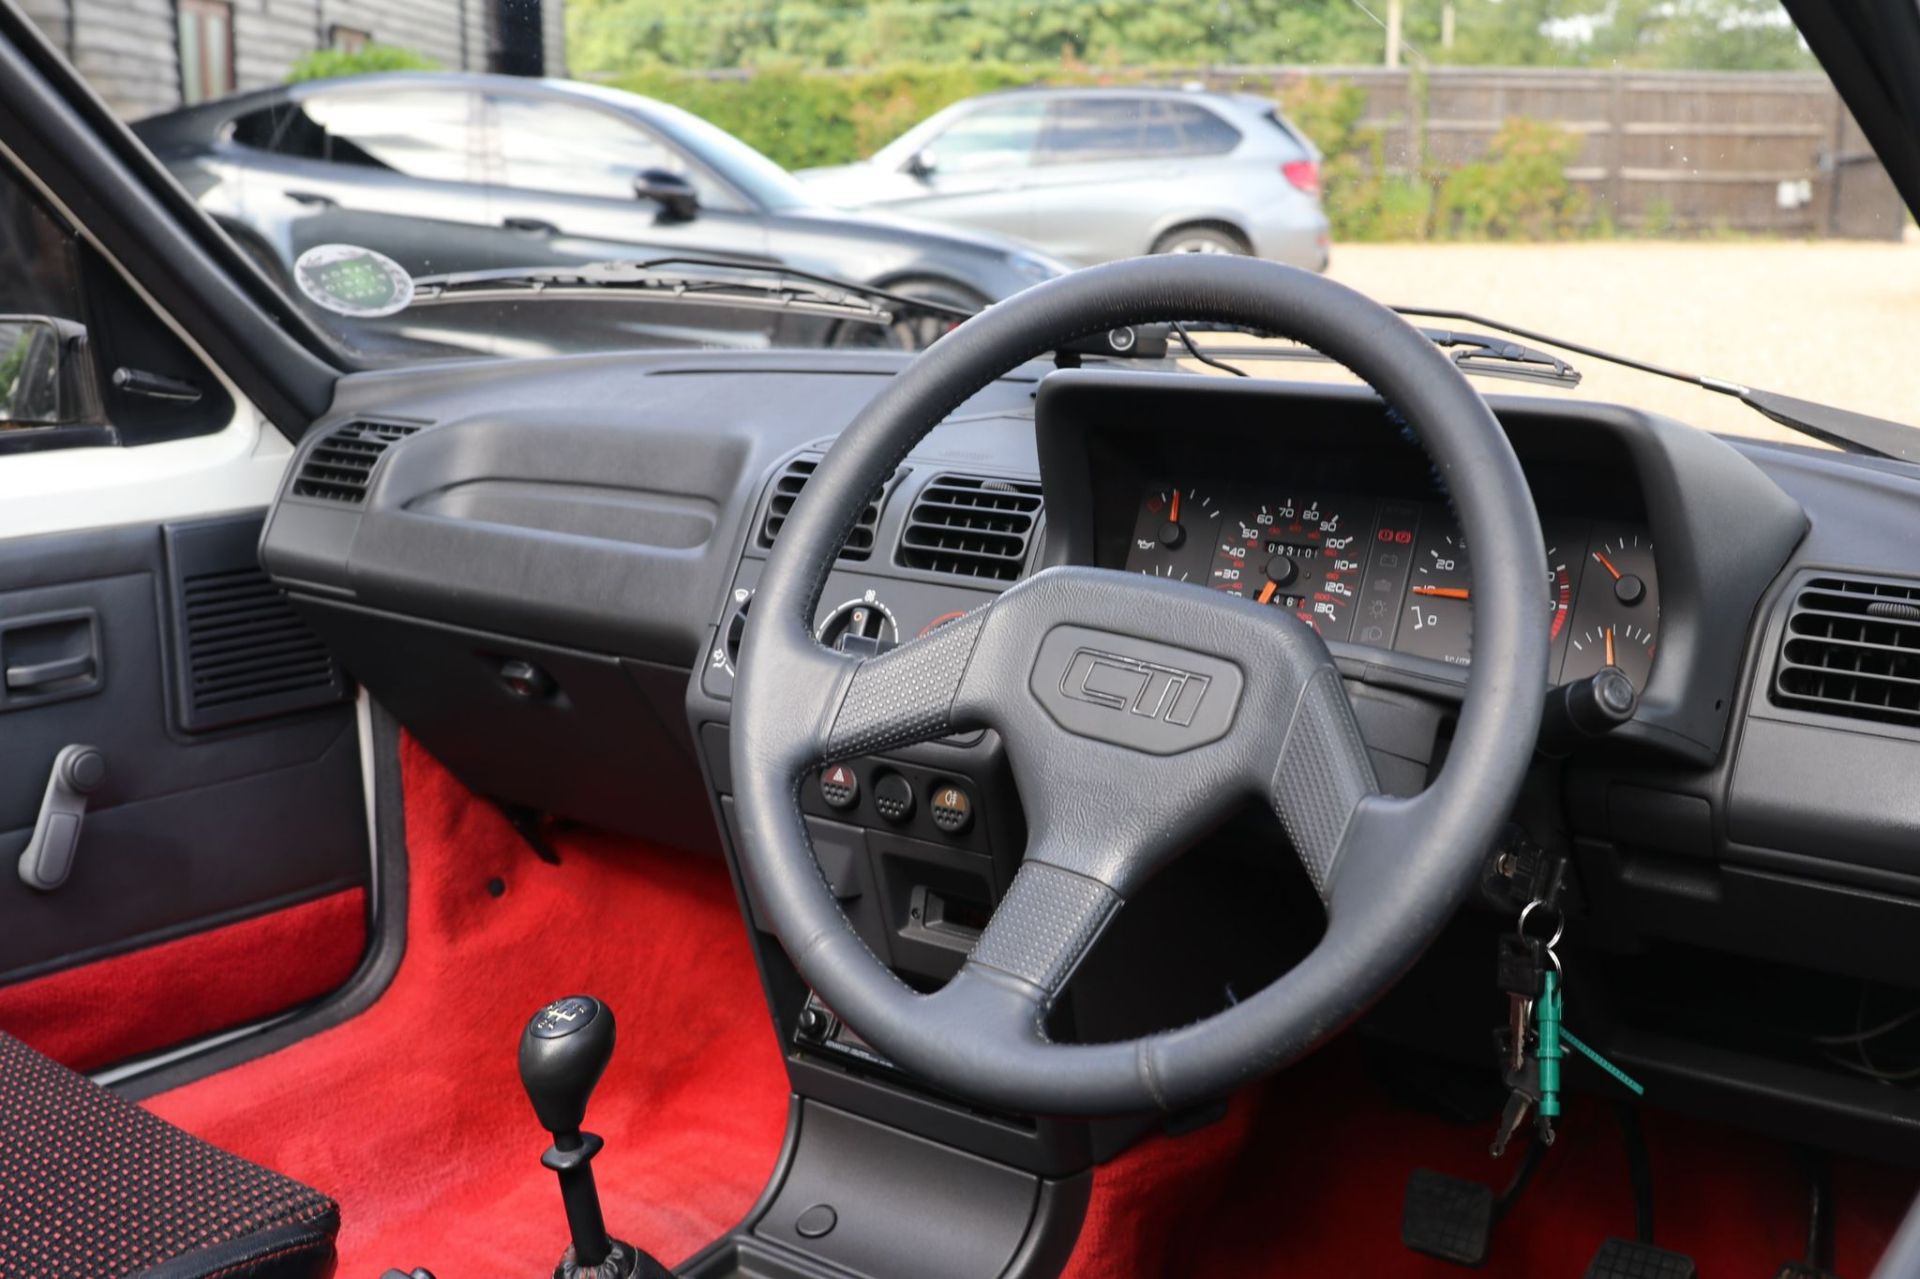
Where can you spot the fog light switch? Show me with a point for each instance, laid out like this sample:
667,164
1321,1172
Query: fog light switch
952,808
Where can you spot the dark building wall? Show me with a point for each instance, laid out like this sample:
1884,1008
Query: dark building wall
129,49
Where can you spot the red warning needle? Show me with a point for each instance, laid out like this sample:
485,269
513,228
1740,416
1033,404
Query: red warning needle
1173,511
1444,592
1607,564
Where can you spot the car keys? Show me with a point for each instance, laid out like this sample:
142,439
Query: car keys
1520,974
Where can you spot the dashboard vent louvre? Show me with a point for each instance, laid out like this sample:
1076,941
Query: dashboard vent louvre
247,653
971,526
340,466
786,491
1852,648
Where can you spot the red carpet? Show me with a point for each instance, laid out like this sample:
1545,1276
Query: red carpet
191,986
411,1114
1305,1177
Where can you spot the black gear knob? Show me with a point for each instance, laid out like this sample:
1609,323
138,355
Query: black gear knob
563,1052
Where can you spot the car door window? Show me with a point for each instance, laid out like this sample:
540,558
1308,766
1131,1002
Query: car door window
1199,131
565,149
426,133
1089,130
997,137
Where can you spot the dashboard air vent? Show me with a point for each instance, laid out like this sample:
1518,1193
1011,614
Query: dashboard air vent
786,491
340,466
1852,648
971,526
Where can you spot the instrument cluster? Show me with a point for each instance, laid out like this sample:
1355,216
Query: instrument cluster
1397,574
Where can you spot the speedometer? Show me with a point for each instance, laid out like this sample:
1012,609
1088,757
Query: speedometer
1300,553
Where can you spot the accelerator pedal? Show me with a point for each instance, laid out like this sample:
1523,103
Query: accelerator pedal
1631,1259
1447,1217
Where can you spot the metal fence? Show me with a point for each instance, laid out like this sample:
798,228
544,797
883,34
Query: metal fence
1772,153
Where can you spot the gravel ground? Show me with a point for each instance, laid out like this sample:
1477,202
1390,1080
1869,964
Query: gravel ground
1829,321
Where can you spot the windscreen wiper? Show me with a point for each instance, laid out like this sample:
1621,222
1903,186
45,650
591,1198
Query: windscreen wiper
756,284
1470,353
1842,428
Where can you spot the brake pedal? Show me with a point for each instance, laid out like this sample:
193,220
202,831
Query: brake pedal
1447,1217
1631,1259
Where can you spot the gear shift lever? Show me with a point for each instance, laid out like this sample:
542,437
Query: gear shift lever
563,1052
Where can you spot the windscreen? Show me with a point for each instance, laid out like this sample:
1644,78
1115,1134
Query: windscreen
1674,179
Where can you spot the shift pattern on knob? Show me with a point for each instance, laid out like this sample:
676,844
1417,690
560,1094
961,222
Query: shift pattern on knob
563,1053
564,1017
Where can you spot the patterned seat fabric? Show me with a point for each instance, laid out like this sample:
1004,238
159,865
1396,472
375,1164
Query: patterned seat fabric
94,1187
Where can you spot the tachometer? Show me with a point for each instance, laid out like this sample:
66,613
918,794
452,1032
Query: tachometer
1437,620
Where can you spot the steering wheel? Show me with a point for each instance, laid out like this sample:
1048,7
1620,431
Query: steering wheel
1136,713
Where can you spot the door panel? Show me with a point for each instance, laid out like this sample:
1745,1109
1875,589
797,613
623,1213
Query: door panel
232,788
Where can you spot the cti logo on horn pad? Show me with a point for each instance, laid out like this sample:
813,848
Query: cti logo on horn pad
1133,692
1140,688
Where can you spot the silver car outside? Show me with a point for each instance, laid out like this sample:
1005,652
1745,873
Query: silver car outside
1091,175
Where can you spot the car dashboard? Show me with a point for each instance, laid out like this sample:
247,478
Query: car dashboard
545,570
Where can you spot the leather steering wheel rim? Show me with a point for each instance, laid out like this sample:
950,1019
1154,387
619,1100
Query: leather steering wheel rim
1067,665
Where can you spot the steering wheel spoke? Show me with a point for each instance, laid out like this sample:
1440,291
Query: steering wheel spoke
908,694
1322,776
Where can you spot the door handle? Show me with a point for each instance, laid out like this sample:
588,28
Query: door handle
41,674
530,226
313,198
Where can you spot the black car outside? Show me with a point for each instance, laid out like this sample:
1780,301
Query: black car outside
456,172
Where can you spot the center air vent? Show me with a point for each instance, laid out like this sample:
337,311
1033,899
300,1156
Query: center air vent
340,466
786,491
971,526
1852,648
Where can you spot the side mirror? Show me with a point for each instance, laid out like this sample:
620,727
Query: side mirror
922,165
45,375
673,193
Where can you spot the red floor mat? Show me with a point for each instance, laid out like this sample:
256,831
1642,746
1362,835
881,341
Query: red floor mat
1305,1176
411,1114
179,990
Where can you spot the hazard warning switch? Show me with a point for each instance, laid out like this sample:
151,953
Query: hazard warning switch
840,786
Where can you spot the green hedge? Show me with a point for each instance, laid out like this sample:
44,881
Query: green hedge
804,119
326,64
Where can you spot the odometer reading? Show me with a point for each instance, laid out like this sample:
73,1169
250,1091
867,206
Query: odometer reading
1304,554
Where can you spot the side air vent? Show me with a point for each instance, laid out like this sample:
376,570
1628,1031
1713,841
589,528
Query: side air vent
241,653
786,491
971,526
340,466
1852,648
